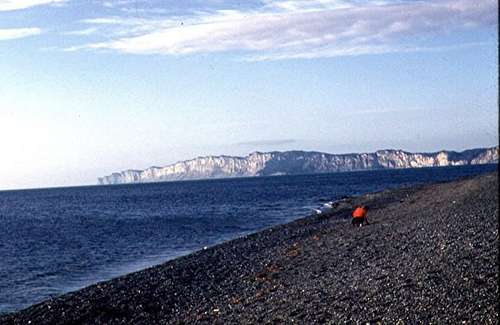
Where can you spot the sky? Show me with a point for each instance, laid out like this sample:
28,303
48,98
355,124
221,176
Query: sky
91,87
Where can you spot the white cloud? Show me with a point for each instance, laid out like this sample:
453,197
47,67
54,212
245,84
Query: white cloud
299,29
6,5
14,33
307,5
360,50
82,32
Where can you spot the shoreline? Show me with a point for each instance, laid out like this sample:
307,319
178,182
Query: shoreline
237,177
430,255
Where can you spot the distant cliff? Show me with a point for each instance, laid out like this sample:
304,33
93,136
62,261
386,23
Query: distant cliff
299,162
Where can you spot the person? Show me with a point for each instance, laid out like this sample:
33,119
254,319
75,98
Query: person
359,216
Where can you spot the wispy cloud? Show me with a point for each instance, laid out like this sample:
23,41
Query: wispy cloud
7,5
14,33
359,50
267,142
298,28
83,32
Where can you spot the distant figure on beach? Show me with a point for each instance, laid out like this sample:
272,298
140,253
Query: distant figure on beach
359,216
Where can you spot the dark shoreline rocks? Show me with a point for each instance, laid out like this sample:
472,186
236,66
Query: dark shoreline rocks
429,256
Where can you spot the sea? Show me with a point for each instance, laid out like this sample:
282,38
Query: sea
57,240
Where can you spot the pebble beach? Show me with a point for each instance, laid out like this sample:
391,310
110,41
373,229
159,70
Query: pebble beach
429,255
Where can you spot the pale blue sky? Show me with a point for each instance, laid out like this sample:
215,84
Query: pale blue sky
92,87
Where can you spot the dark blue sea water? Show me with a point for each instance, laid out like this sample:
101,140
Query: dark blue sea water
57,240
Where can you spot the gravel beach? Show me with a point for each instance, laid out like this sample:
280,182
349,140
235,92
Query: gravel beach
428,256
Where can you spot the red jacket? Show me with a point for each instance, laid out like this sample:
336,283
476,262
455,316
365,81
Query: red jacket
359,213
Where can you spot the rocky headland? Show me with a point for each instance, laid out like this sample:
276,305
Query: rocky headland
430,255
299,162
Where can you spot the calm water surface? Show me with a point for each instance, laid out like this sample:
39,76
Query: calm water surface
57,240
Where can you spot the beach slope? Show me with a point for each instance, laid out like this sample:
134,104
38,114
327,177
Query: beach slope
429,255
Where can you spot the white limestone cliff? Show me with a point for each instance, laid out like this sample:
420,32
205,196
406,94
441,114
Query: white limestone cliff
299,162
